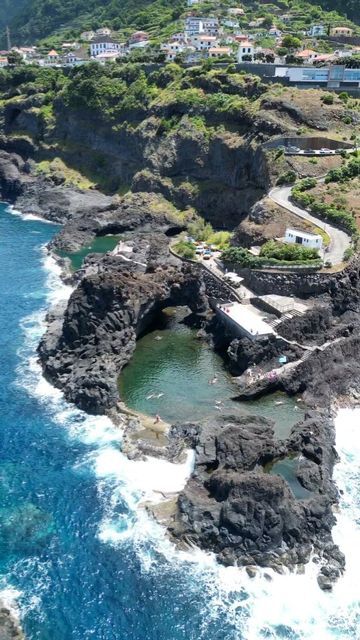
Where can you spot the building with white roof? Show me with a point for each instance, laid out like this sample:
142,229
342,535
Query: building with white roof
244,321
308,240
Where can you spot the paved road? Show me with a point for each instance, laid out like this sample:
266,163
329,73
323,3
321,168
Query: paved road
339,239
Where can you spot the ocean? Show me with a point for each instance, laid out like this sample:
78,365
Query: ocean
79,558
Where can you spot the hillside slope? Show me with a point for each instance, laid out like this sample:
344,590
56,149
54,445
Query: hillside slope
9,9
38,19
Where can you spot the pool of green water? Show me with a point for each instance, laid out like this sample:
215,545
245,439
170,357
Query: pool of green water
172,374
287,469
101,244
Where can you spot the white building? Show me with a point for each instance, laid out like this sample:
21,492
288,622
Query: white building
219,52
87,35
3,62
193,25
231,24
203,42
198,24
192,3
243,321
307,240
245,50
103,31
101,44
317,30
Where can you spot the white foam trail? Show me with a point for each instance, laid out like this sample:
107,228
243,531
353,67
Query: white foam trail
28,217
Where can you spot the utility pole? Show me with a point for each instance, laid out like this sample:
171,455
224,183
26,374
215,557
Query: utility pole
8,38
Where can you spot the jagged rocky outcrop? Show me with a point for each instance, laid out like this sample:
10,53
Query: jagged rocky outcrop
41,196
84,350
248,517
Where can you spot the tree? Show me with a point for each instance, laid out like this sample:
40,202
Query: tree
270,58
15,58
291,42
267,22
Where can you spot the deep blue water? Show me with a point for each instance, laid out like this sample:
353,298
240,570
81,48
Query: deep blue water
84,561
54,498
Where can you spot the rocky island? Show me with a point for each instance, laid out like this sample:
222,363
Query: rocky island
182,158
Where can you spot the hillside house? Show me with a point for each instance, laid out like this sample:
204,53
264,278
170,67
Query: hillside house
52,57
103,31
193,25
72,59
108,56
3,62
211,26
87,35
246,51
192,3
219,52
101,44
341,31
308,55
231,24
305,239
317,30
139,39
203,42
236,11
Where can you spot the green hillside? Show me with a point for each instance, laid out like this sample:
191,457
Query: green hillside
9,9
38,19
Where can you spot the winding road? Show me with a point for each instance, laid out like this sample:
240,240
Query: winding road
340,241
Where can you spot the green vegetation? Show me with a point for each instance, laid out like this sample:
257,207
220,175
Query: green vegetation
328,98
344,173
289,257
289,252
185,249
335,214
203,232
287,178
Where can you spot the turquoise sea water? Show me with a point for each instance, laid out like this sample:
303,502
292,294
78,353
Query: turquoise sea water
170,375
101,244
78,559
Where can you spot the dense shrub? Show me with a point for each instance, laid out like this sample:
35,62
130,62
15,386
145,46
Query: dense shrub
289,252
286,178
185,249
243,257
328,98
345,173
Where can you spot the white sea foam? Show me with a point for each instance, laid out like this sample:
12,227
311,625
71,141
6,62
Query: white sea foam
256,607
28,217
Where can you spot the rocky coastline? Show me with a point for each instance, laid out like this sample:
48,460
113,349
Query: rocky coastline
230,505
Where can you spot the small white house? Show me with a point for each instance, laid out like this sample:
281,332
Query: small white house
307,240
246,50
203,42
317,30
103,31
101,44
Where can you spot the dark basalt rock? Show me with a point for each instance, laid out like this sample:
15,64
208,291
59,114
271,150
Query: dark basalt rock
43,196
111,306
248,517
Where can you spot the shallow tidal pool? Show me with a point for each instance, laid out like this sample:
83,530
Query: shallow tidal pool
180,377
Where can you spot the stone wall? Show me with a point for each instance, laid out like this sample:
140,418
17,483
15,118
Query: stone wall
301,285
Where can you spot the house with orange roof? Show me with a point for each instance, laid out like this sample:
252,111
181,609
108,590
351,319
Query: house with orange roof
307,55
219,52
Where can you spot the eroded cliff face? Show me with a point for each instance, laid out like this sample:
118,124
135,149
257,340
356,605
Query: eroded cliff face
221,174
